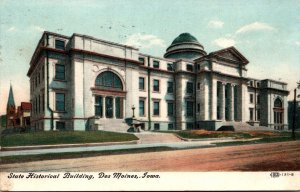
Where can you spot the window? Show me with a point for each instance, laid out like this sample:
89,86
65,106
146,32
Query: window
198,107
141,107
189,67
170,126
43,72
60,125
59,44
142,60
170,67
60,72
155,64
60,101
251,114
189,87
170,108
189,108
198,67
189,125
251,98
170,87
258,99
156,126
156,108
155,85
251,83
258,114
277,103
258,84
198,86
109,80
119,107
98,106
142,83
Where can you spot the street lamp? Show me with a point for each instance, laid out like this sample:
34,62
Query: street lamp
133,108
294,114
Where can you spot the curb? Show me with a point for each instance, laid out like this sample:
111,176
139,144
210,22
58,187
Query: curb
204,139
67,145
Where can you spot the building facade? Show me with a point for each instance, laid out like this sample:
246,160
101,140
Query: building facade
81,83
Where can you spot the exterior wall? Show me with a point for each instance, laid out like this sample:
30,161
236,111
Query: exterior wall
86,57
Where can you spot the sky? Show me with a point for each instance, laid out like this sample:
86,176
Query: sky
266,32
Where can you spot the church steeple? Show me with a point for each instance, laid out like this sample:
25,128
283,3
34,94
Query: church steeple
11,100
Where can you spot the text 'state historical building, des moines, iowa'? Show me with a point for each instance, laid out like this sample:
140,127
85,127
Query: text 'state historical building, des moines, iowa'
81,83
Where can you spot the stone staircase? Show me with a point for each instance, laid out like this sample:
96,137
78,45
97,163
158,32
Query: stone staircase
154,137
115,125
243,126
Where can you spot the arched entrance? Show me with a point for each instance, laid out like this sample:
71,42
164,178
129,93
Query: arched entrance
278,114
109,96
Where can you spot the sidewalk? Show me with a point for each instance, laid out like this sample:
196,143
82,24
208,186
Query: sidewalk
175,145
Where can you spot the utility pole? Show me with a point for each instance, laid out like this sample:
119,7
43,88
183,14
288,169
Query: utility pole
294,112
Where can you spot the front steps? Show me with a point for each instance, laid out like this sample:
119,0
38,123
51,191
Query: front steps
243,126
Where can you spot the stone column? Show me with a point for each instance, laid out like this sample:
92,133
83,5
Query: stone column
223,101
114,108
231,116
214,100
103,107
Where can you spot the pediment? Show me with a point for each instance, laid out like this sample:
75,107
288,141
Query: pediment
230,54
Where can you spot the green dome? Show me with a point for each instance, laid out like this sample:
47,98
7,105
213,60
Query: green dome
185,37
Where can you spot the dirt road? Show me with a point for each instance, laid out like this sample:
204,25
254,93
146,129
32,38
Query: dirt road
260,157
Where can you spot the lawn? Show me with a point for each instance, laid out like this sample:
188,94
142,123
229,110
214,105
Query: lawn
64,137
201,134
82,154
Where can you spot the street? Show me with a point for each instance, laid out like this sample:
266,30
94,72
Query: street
282,156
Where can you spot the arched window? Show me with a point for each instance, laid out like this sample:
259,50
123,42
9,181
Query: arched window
109,80
277,103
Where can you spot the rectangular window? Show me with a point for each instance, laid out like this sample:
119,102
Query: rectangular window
189,125
258,84
43,72
170,108
141,83
60,101
60,125
98,106
155,64
156,126
156,85
251,114
251,83
142,60
198,67
141,107
170,126
198,107
59,44
198,86
170,87
189,67
170,67
189,108
156,108
258,114
189,87
60,72
258,99
251,98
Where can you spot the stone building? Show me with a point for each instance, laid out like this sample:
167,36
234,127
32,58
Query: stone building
81,83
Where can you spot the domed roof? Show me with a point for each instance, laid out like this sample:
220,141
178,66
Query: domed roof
184,38
185,46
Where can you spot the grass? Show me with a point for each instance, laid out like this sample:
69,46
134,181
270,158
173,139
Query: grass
70,155
201,134
262,140
64,137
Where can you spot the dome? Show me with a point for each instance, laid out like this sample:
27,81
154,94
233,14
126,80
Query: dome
184,38
185,46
